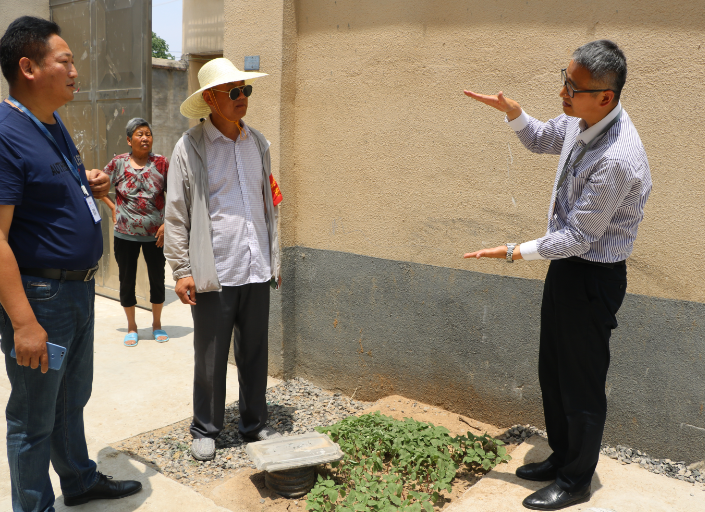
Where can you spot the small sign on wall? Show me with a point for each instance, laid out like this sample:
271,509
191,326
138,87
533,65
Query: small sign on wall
252,63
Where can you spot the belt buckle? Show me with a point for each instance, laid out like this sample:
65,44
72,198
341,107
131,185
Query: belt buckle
91,273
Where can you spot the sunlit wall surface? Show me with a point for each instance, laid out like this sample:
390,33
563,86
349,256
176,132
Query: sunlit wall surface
203,26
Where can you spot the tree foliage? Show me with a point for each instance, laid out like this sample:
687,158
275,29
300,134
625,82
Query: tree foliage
160,48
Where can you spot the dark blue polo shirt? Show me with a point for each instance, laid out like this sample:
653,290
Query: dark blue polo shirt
51,226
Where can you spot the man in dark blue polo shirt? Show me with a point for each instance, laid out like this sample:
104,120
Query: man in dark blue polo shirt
50,244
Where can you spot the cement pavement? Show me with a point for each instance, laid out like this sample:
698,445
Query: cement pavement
616,487
135,390
139,389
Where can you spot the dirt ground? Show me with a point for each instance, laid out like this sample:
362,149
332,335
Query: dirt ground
246,492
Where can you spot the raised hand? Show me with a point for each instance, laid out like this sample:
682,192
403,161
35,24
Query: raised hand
500,102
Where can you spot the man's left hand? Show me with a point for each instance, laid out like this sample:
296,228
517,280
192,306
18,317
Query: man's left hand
99,183
496,252
160,236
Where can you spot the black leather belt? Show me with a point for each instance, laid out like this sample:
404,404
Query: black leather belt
56,273
578,259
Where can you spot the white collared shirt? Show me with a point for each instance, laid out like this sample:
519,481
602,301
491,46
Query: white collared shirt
596,213
236,206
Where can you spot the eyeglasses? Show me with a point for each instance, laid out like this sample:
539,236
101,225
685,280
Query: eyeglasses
234,93
569,87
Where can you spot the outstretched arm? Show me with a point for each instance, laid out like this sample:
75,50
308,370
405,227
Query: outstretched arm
500,102
536,136
496,252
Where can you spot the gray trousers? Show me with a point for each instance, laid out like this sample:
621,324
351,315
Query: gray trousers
244,310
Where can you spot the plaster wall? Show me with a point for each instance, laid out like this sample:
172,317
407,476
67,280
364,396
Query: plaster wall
391,160
10,10
389,174
202,26
169,90
468,342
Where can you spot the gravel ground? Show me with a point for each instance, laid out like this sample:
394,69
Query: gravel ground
695,473
295,407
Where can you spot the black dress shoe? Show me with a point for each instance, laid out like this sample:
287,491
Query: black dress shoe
105,489
553,497
538,471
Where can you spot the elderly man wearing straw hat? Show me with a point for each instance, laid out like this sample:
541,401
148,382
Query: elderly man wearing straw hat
222,244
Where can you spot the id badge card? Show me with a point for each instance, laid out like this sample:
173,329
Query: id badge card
93,208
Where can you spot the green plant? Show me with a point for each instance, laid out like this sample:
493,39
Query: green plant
392,465
160,48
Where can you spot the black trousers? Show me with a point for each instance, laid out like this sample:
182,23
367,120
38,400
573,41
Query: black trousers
244,310
580,302
126,254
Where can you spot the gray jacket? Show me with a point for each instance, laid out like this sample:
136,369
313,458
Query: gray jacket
188,245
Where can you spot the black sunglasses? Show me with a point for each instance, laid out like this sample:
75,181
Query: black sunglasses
569,88
234,93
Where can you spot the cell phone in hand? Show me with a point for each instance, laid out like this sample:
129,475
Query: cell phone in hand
56,355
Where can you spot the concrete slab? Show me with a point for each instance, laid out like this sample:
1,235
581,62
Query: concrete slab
159,493
617,487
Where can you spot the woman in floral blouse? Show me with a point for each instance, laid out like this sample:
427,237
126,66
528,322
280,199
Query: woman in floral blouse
140,182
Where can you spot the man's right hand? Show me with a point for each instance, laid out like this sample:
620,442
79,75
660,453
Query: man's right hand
186,290
506,105
31,346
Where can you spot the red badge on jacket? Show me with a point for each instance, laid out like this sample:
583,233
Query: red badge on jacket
276,193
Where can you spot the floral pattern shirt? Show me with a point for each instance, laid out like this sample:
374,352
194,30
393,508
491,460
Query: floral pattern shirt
139,194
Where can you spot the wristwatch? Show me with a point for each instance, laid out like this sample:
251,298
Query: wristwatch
510,252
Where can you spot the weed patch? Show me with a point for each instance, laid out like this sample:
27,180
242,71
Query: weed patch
392,465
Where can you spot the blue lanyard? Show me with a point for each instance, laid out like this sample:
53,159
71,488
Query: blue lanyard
71,166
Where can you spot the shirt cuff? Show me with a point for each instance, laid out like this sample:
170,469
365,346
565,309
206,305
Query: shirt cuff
530,251
519,123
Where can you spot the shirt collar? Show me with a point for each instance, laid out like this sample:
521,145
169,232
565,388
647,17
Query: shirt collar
213,133
587,135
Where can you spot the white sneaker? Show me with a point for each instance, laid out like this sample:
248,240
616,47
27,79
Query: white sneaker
203,449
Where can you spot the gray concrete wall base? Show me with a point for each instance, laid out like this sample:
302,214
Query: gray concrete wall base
468,342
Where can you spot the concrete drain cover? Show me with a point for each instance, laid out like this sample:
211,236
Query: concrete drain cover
294,452
289,461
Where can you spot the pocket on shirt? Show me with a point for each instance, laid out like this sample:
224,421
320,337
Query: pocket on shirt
38,289
577,184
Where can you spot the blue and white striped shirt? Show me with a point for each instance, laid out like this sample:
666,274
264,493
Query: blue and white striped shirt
597,211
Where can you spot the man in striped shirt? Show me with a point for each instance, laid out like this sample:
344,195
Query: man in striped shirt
601,187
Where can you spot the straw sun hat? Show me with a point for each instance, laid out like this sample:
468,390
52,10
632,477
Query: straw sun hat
214,73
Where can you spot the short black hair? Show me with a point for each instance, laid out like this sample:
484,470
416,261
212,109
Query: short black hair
606,63
25,37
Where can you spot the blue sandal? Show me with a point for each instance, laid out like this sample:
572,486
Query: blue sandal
158,333
132,336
